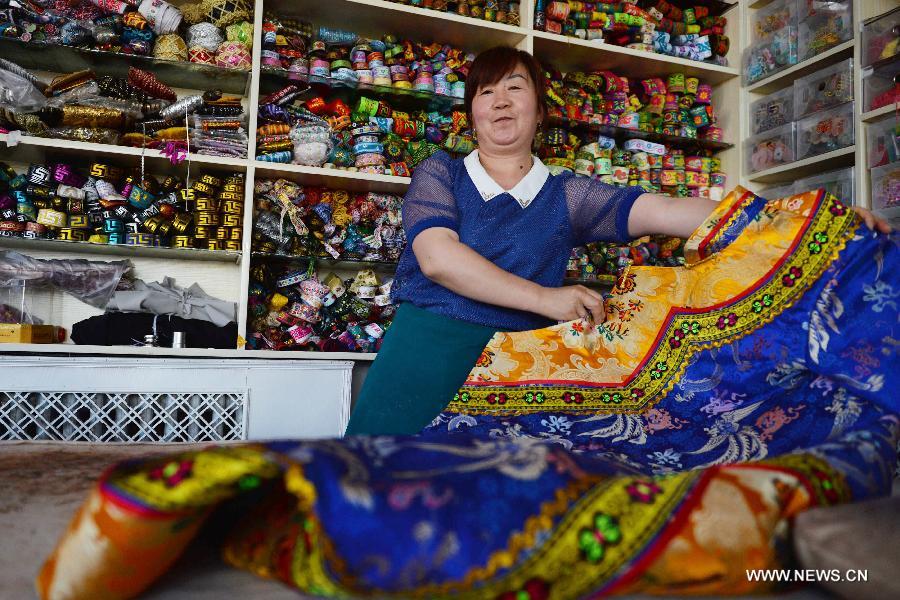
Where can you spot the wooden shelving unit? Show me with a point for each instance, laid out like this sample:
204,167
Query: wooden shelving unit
227,275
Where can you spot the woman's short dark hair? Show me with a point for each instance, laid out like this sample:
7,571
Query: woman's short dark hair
494,64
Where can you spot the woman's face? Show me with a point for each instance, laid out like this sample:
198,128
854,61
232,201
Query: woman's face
506,113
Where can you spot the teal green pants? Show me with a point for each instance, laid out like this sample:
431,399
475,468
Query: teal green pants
424,360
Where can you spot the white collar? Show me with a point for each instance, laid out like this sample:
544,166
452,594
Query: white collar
524,192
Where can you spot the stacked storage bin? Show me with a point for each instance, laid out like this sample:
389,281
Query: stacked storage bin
838,182
813,116
773,142
823,25
787,32
773,44
881,87
881,61
823,107
883,158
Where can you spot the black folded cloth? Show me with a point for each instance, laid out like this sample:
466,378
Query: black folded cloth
129,329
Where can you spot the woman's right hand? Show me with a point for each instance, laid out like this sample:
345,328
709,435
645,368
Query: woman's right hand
572,302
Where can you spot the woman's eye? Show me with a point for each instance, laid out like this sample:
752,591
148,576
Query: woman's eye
483,92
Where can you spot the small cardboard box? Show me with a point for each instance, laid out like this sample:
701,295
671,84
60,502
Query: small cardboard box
24,333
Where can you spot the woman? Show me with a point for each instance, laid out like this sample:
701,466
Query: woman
488,241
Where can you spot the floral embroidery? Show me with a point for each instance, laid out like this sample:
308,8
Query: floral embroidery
882,295
593,542
826,485
249,482
485,359
686,330
793,274
534,397
624,284
614,397
626,313
838,209
643,491
570,397
728,320
765,302
818,241
659,371
666,458
556,424
534,589
576,328
172,473
461,396
494,398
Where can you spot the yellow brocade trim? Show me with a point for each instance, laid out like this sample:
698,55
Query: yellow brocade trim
590,531
563,555
658,317
193,479
717,223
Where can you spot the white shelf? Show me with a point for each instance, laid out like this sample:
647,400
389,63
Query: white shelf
374,18
88,149
808,166
874,115
337,178
58,58
120,250
574,54
181,352
783,79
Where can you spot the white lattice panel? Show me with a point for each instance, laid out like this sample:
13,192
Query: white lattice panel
124,417
105,399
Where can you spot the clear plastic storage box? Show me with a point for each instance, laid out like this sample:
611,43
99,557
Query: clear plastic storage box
772,111
770,19
881,38
771,148
825,131
886,186
881,86
838,183
770,56
807,9
823,31
824,89
883,142
780,191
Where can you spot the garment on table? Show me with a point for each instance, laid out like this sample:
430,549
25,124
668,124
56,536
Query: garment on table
129,329
529,231
423,361
666,450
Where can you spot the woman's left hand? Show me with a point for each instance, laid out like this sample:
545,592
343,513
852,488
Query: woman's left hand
872,222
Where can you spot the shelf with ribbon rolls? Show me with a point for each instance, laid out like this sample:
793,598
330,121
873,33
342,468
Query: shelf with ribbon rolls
71,197
175,73
202,45
426,111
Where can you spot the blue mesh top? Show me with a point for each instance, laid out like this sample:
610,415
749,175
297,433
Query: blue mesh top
533,242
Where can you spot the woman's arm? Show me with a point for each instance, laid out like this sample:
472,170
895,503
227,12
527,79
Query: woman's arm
450,263
654,214
679,217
